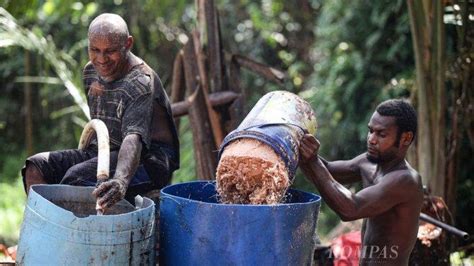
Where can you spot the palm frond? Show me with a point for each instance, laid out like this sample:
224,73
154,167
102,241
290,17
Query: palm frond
11,33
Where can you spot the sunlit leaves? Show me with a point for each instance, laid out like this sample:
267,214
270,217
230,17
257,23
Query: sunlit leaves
29,40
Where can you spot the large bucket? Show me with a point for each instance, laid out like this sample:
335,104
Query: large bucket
196,230
60,228
279,119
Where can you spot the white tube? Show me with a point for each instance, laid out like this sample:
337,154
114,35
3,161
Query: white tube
103,154
99,127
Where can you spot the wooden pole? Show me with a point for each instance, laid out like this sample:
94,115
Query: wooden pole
178,88
261,69
236,109
205,151
214,47
216,99
28,107
213,115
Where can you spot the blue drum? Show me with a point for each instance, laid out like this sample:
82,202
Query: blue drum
60,228
197,230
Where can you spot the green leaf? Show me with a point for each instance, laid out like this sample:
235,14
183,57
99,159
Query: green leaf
49,7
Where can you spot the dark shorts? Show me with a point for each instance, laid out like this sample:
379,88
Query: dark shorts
79,168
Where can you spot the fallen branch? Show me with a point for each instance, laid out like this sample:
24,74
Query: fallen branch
216,99
261,69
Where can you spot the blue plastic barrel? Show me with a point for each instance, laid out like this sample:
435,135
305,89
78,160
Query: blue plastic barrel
197,230
60,228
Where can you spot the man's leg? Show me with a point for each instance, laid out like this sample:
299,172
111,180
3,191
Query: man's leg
50,167
33,176
85,173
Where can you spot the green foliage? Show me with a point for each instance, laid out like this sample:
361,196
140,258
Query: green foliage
186,172
362,53
32,40
465,188
12,204
11,168
461,258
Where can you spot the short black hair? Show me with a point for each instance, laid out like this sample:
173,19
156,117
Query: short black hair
404,113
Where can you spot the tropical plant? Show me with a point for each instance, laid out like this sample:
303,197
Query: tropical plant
13,34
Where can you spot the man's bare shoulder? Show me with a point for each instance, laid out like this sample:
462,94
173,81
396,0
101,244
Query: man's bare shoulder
347,171
365,166
355,163
406,178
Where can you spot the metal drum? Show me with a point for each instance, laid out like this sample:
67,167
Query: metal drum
197,230
60,227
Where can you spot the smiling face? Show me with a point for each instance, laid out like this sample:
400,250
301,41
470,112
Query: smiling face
383,141
109,55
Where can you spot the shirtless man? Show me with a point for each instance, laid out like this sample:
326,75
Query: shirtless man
392,194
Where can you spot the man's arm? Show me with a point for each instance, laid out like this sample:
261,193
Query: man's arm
393,189
110,192
346,171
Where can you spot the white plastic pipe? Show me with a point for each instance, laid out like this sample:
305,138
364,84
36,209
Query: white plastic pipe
103,161
99,127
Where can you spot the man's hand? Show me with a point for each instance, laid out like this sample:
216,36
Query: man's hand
110,192
309,148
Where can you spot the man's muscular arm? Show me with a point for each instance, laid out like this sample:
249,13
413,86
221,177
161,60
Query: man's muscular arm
394,188
110,192
345,171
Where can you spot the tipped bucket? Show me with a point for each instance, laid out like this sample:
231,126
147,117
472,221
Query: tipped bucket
279,119
196,229
258,160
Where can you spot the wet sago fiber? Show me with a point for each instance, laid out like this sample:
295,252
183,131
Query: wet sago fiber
250,172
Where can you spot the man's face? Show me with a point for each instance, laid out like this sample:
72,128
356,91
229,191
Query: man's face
108,55
382,138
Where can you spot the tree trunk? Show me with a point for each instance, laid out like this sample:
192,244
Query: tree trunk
426,20
28,108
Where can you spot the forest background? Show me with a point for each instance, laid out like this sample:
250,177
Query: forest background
344,57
